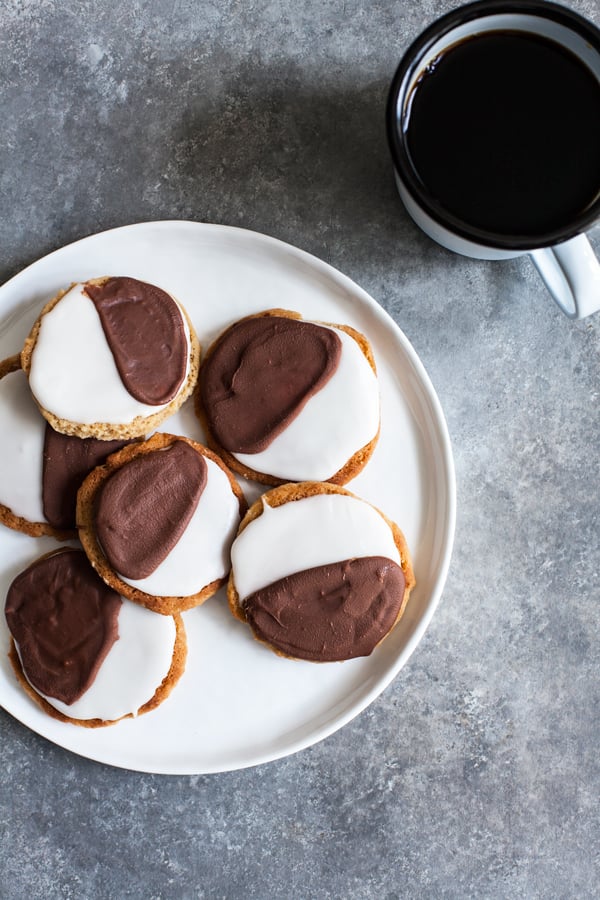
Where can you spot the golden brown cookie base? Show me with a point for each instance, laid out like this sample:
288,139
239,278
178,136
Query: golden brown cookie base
33,529
7,516
349,470
141,425
162,692
10,364
86,498
288,493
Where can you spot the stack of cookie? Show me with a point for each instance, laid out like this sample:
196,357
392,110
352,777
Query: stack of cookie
162,523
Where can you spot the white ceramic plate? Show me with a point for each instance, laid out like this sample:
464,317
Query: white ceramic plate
238,704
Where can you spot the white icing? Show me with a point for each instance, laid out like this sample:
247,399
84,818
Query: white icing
73,372
335,423
22,433
133,669
201,555
301,534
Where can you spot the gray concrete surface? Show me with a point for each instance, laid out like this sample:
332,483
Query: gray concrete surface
476,773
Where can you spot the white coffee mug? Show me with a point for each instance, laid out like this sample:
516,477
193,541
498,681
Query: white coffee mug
564,258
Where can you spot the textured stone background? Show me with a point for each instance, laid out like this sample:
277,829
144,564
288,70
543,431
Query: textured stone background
476,774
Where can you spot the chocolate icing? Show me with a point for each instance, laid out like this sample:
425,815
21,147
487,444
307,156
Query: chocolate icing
67,461
64,620
328,613
144,507
146,334
260,375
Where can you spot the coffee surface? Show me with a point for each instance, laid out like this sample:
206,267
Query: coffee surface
503,131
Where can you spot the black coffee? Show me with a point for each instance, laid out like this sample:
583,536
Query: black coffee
504,132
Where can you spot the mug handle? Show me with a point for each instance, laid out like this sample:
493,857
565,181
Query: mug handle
571,272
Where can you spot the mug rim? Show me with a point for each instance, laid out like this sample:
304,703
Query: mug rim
409,65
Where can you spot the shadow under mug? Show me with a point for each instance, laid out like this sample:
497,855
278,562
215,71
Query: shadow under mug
563,257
